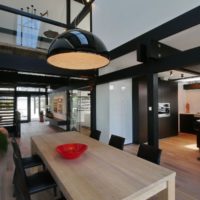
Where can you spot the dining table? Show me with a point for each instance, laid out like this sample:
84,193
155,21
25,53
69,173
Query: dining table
102,172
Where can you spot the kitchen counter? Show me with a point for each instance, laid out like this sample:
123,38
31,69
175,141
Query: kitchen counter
187,122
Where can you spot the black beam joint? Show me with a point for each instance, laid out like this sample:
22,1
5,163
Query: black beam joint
154,50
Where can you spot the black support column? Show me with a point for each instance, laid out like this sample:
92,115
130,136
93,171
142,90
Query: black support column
68,11
68,110
135,110
46,99
93,108
152,85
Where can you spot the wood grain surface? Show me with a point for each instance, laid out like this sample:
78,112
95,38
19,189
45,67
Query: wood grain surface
103,172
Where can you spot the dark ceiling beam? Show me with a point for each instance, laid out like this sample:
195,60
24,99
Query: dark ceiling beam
183,59
86,9
80,1
26,14
30,64
154,50
40,81
176,25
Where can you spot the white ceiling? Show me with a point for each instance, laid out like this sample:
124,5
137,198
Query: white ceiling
184,40
174,75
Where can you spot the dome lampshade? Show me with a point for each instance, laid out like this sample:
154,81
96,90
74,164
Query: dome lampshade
78,50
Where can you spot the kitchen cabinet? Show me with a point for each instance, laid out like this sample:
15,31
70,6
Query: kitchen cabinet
187,122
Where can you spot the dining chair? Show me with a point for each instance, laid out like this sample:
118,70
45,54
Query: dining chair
28,162
28,185
149,153
95,134
117,141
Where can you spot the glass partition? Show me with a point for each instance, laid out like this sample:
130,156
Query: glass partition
32,33
26,32
80,110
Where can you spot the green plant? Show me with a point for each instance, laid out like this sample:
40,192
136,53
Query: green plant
3,143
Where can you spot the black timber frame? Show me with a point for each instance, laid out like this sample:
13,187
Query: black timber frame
176,25
150,67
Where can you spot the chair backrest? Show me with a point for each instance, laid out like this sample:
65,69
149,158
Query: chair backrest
117,141
95,134
20,180
149,153
16,148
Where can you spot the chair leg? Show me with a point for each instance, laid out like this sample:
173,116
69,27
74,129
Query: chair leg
55,191
14,191
43,166
14,176
13,182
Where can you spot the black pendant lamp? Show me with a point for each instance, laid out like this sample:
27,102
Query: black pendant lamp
78,50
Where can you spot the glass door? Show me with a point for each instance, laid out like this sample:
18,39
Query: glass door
22,107
38,104
34,108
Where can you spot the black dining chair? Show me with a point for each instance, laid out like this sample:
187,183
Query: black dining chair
149,153
117,141
27,185
28,162
95,134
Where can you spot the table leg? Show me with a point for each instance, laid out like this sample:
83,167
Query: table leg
169,192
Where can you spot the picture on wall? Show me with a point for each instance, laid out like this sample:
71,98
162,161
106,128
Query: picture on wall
163,109
58,105
54,105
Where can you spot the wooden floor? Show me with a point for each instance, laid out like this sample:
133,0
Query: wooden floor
179,154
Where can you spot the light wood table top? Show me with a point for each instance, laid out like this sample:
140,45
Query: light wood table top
102,172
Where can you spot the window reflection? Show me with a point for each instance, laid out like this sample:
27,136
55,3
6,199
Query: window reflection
80,36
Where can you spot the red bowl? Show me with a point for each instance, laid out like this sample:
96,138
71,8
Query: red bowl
71,151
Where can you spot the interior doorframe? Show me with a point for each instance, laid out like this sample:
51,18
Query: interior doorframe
25,94
28,107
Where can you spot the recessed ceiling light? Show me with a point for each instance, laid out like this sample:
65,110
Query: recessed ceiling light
190,79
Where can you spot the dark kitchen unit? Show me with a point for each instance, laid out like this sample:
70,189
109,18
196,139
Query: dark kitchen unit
187,121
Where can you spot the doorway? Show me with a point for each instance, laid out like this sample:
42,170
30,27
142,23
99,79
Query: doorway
22,107
30,107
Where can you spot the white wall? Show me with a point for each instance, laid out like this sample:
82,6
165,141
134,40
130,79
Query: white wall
114,110
190,96
102,110
120,106
117,21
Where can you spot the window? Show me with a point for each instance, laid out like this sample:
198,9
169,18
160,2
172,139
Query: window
27,31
